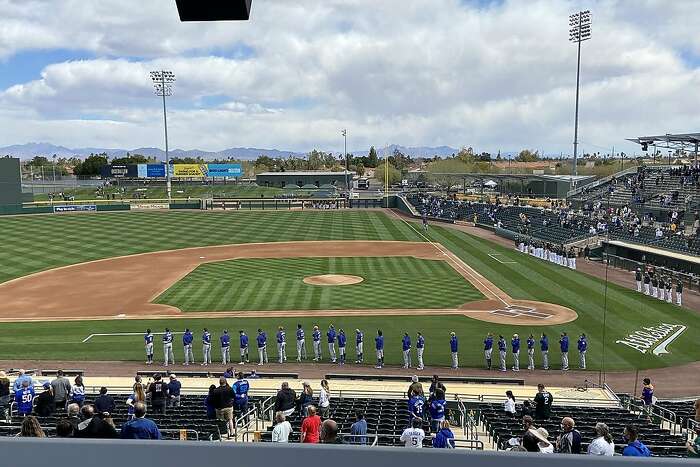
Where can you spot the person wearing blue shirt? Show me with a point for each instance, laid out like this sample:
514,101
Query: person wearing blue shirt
515,347
174,388
544,348
243,345
148,342
342,340
582,347
444,438
187,339
301,344
420,348
316,338
416,407
206,347
530,352
634,448
240,394
564,347
359,344
379,346
406,349
281,345
225,348
454,350
502,353
488,350
168,355
331,343
262,347
140,427
24,398
437,409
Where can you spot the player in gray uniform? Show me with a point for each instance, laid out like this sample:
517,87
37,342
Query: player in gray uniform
148,339
679,292
168,354
669,290
206,347
359,344
301,343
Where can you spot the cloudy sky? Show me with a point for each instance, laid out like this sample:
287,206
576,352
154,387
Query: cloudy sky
488,74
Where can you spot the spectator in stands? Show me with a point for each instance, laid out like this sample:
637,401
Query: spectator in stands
569,442
634,448
61,390
509,405
358,430
64,428
31,428
4,393
223,403
44,405
159,394
416,406
94,425
310,427
285,400
282,429
17,386
306,398
527,408
602,444
543,444
209,403
24,398
434,386
329,433
240,394
694,445
174,387
72,411
444,438
696,406
413,436
529,439
77,391
543,403
416,388
138,395
437,410
228,373
324,399
140,427
648,392
104,404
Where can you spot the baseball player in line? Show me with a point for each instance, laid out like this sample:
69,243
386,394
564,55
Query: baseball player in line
206,347
544,348
359,344
316,338
488,350
531,352
331,335
225,340
262,347
379,346
454,350
281,345
406,350
564,347
187,340
168,347
342,340
301,344
420,348
502,353
243,344
148,341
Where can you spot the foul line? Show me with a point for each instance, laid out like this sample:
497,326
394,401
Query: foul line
493,255
107,334
661,348
455,258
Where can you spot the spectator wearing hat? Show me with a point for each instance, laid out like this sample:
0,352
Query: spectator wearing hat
415,388
44,404
174,388
104,403
543,443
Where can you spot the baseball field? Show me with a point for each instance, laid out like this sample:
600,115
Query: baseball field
85,287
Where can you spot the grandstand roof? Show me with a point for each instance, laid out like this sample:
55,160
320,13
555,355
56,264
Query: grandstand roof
670,141
307,173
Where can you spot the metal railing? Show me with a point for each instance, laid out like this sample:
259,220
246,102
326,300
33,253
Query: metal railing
245,421
182,434
664,417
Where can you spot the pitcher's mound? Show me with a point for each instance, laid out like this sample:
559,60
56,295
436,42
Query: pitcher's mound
333,279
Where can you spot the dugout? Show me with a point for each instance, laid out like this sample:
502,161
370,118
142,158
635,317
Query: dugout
315,178
10,182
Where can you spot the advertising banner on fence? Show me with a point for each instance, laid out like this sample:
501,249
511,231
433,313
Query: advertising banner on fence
75,208
151,170
149,206
224,170
190,170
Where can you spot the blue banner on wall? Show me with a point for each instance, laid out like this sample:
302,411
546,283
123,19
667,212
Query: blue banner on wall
203,170
224,170
75,208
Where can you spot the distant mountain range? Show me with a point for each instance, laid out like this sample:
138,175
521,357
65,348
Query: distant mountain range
29,150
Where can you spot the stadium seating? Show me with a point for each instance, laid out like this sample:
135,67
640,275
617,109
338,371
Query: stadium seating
501,427
684,410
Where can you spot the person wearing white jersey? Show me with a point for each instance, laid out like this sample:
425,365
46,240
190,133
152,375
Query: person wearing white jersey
413,436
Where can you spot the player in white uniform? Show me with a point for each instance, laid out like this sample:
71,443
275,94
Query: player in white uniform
413,437
148,341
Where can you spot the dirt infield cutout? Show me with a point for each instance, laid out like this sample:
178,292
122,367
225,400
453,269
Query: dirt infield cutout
333,279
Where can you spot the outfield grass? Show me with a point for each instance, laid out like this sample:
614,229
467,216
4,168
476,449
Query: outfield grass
39,242
277,284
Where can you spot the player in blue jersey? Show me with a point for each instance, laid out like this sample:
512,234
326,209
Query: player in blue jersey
564,347
359,345
262,347
24,398
416,407
544,348
240,394
341,345
379,346
148,342
301,343
454,350
168,355
582,345
502,353
488,350
316,339
515,347
243,346
406,350
531,352
187,339
420,347
225,347
331,335
206,347
281,345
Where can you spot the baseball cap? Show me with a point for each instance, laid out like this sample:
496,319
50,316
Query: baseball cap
47,385
172,376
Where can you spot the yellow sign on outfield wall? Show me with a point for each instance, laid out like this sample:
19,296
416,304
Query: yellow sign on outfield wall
190,170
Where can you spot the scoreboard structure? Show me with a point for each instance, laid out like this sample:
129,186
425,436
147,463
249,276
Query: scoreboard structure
10,181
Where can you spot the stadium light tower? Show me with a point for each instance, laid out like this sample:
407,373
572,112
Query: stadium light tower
163,83
345,155
579,31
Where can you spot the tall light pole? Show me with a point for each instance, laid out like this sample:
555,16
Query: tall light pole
345,155
163,83
579,31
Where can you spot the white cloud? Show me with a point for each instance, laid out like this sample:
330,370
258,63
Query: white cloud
423,72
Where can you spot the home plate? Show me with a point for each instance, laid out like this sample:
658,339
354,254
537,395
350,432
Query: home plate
121,315
201,257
